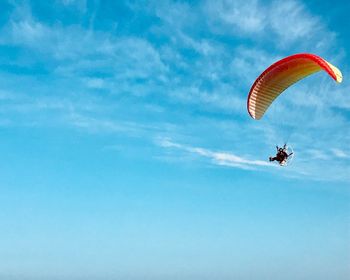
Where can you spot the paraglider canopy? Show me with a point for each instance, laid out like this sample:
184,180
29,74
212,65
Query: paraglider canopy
282,74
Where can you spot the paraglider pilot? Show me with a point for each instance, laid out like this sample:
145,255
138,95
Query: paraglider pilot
281,155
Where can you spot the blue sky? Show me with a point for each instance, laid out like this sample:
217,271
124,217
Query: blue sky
127,151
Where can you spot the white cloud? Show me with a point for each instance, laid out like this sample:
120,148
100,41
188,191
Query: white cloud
223,99
28,32
340,153
291,22
243,16
77,53
95,83
248,63
282,23
318,154
218,158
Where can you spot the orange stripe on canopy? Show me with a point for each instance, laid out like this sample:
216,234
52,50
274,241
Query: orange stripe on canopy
281,75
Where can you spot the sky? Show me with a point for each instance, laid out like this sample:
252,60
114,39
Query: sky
127,152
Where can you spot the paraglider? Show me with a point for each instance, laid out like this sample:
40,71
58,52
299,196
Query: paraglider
283,155
276,79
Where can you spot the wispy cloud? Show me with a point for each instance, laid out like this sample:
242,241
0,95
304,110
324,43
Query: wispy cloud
241,16
218,158
292,22
285,23
340,153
